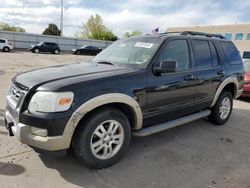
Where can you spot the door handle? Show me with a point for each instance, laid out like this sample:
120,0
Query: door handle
189,77
221,73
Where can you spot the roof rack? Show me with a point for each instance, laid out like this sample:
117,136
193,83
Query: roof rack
202,34
167,33
193,33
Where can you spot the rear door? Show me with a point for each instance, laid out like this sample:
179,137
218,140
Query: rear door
209,71
171,95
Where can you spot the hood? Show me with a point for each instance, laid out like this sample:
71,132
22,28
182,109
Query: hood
46,75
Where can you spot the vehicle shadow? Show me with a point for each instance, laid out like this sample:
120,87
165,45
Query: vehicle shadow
137,160
244,99
10,169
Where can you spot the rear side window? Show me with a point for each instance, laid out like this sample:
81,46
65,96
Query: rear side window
2,41
231,52
202,54
214,54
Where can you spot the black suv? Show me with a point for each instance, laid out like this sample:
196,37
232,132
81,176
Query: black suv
46,47
138,86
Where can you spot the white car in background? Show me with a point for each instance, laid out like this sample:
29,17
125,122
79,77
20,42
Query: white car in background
5,46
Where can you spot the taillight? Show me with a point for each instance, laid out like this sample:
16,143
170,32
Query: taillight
9,44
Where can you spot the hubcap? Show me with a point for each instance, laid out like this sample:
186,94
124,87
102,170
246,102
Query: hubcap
225,108
107,139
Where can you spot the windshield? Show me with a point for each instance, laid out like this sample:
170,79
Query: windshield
40,43
83,47
247,65
135,52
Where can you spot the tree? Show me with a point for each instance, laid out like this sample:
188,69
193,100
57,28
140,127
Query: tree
52,29
7,27
95,29
133,33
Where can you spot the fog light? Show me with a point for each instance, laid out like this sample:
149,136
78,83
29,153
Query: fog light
39,131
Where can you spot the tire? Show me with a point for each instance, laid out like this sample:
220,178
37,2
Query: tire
222,109
86,138
6,49
36,50
56,52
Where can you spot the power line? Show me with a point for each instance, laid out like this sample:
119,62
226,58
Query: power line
61,27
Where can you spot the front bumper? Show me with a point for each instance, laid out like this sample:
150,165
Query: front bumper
23,133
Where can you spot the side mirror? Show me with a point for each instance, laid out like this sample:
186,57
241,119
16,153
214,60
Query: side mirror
166,66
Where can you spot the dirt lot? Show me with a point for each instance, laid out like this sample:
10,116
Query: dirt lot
197,154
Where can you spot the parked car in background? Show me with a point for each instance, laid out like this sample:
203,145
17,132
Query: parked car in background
87,50
246,89
46,47
5,46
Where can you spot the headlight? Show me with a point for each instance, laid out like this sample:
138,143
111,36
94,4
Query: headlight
50,101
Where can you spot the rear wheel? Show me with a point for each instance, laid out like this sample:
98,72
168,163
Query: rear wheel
103,138
6,49
221,111
56,52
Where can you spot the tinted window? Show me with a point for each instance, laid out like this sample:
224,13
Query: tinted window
231,52
228,36
214,54
246,55
239,36
2,41
177,50
202,53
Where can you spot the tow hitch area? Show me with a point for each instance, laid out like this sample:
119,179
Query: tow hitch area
8,127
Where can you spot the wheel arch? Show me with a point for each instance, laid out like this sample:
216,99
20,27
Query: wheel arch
229,84
129,106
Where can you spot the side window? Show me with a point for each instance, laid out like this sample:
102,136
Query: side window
231,52
214,54
176,50
2,41
202,53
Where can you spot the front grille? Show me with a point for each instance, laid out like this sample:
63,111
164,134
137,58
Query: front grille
17,91
20,86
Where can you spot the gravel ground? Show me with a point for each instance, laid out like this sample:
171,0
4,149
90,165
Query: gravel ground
197,154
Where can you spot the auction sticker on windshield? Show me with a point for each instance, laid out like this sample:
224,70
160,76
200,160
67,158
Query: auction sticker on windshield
144,45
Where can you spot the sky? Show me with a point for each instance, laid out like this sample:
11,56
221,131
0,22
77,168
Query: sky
123,15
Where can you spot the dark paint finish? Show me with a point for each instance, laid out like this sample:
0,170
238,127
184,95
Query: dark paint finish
87,50
161,97
46,47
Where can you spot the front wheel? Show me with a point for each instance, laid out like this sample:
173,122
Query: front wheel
103,138
36,50
222,110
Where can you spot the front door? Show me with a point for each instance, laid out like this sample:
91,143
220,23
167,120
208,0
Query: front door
171,95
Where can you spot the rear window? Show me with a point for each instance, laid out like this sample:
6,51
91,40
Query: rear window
231,52
202,54
2,41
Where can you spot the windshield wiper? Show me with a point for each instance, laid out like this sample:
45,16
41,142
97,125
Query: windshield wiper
105,62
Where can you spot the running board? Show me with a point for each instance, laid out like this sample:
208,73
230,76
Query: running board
174,123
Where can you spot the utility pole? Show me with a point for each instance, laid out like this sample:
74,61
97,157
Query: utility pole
61,27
